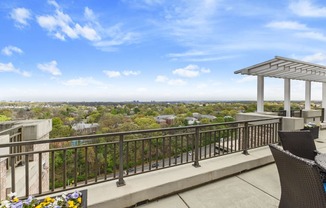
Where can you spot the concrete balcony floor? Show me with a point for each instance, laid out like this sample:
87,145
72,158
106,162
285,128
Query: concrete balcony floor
234,180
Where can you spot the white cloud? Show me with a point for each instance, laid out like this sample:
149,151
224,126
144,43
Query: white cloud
89,14
50,67
130,73
112,74
161,78
291,25
9,50
11,68
20,15
7,67
186,54
190,71
203,70
176,82
306,8
25,73
312,35
173,82
319,58
83,81
116,38
60,25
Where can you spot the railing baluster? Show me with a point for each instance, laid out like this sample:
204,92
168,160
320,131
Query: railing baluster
246,137
135,158
86,165
64,169
40,168
114,160
105,161
13,174
53,171
121,182
163,143
96,163
75,166
150,154
196,163
26,175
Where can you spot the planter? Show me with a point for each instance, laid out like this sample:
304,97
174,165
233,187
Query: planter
314,131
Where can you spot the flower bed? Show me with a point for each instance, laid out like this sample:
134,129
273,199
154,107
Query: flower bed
74,200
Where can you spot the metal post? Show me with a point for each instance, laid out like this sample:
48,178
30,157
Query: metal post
246,139
280,124
196,163
13,174
121,182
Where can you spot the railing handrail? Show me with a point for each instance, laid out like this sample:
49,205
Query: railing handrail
89,137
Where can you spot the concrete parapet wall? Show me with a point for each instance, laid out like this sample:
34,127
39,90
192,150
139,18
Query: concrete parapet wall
311,116
253,116
288,123
292,123
164,182
35,129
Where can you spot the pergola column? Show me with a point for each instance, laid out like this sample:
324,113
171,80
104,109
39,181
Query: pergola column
287,96
308,96
260,94
324,98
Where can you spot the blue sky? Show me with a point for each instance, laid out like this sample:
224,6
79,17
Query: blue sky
162,50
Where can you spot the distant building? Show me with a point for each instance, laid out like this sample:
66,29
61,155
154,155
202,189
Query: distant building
192,120
165,119
85,128
200,116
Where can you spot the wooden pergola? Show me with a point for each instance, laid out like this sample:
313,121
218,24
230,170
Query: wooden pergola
287,69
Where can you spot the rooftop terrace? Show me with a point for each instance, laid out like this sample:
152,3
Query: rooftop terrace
205,178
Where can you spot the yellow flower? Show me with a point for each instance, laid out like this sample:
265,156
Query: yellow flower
70,203
49,199
79,200
15,199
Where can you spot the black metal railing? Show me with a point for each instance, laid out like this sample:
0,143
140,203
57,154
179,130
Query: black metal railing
15,135
80,161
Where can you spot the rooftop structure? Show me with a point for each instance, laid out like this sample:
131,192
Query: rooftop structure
287,69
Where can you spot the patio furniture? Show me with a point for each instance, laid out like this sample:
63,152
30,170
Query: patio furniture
320,160
313,128
299,143
301,184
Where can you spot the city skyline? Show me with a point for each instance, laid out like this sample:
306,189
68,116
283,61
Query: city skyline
125,50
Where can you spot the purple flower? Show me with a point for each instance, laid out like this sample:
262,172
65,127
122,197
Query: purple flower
75,195
17,205
28,200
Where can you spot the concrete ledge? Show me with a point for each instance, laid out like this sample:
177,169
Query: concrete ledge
164,182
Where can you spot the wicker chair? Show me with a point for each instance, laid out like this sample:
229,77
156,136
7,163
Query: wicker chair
301,184
299,143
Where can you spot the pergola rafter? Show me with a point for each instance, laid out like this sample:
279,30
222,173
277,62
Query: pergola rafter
286,68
